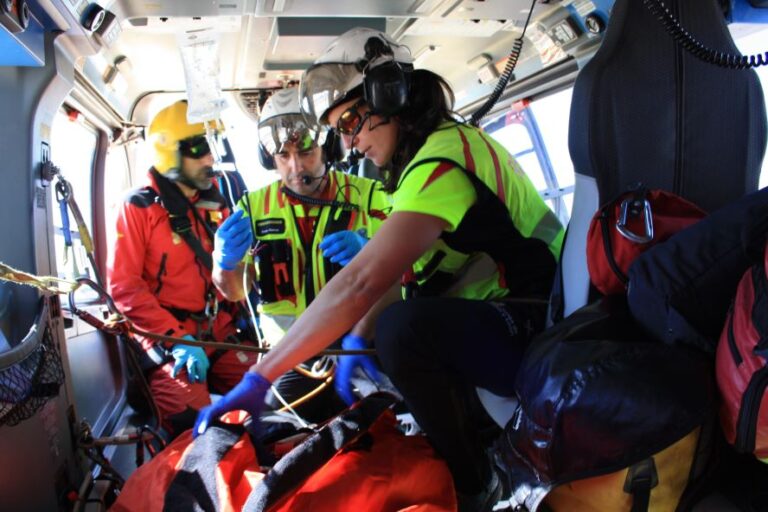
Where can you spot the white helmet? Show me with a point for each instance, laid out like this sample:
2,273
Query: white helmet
281,121
346,65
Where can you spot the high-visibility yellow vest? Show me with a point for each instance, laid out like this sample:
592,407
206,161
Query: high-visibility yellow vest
508,242
290,273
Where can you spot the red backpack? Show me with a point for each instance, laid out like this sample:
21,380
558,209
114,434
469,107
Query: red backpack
628,225
742,373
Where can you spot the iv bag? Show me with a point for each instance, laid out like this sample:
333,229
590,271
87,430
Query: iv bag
200,57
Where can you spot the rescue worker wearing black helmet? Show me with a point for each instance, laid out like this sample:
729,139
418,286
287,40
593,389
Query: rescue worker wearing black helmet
160,270
469,238
303,228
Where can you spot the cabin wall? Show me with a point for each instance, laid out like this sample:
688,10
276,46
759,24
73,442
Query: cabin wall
37,469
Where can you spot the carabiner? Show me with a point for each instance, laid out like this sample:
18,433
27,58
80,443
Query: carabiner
624,213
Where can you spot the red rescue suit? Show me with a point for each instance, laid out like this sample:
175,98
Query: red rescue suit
157,282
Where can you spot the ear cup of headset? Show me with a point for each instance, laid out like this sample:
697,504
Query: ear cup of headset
385,88
333,147
265,159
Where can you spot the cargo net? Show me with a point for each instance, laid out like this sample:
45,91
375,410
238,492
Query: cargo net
26,385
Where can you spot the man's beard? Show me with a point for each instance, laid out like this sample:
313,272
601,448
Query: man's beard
204,183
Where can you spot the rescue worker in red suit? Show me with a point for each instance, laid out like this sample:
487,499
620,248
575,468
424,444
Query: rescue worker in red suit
160,271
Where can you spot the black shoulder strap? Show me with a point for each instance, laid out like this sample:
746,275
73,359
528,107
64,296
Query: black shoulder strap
177,205
315,451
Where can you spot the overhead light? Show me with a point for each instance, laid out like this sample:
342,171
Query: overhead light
278,6
93,17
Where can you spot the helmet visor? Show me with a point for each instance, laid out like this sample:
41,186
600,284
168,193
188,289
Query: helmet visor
324,86
276,132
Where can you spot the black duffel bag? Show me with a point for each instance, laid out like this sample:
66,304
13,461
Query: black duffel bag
608,421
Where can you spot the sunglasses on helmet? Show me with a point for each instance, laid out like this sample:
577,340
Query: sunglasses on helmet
195,147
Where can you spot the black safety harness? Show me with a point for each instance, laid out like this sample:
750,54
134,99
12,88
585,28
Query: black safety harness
172,199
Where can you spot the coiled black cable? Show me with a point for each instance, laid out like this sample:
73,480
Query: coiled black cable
315,201
695,48
514,56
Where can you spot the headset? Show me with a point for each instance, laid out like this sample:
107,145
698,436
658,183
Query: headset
385,86
332,148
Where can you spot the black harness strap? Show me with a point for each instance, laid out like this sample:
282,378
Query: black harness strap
177,205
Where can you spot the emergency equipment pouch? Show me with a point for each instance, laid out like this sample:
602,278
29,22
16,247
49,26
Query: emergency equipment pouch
628,225
338,220
275,271
608,420
680,290
742,372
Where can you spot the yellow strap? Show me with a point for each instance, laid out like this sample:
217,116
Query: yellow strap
48,284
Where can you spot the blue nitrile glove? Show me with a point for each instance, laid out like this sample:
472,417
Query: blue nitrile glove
248,396
345,367
232,240
342,246
193,358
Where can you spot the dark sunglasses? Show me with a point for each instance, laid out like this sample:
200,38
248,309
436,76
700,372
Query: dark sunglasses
195,147
350,120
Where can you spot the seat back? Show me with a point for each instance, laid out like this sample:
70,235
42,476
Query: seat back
645,110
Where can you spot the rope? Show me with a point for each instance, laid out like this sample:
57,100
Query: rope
238,346
47,284
117,323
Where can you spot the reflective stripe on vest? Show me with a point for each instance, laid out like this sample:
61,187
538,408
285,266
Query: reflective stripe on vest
275,219
478,153
493,172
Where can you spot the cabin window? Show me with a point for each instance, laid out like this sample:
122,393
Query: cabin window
751,40
117,184
242,134
537,136
73,146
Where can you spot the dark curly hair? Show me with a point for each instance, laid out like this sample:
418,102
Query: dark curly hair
430,103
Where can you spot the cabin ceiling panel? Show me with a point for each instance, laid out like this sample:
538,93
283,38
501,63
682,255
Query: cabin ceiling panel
295,43
508,10
183,8
260,47
361,8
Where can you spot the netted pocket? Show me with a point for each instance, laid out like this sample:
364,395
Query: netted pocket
30,373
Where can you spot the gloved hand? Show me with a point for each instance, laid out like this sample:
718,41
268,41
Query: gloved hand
345,367
193,358
342,246
232,240
248,396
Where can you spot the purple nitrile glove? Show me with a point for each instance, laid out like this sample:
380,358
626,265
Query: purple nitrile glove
248,396
346,365
342,246
232,241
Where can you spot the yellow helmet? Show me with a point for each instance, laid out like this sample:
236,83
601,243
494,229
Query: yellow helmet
166,130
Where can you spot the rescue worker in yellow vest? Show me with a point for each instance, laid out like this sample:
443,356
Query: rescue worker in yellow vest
160,271
306,227
469,237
